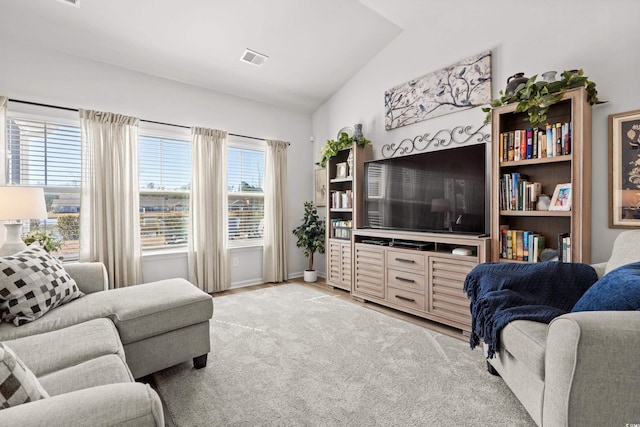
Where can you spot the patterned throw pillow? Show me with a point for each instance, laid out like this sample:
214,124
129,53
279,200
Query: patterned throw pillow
32,282
17,383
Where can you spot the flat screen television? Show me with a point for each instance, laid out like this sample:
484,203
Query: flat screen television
438,191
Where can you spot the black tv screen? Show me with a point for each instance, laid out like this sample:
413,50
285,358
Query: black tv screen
437,191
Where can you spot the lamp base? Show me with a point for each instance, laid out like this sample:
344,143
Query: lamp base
13,243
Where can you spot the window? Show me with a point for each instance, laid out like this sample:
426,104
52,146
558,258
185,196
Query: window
245,181
165,182
46,154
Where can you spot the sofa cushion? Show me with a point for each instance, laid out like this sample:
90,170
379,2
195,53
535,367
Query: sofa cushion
139,311
32,282
59,349
526,341
108,369
617,290
18,384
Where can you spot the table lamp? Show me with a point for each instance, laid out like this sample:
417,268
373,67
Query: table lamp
16,204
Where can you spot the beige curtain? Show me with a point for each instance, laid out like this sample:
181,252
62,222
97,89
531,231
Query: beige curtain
109,202
208,223
275,212
3,145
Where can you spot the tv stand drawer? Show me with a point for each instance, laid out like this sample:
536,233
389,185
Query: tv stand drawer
405,259
404,280
406,298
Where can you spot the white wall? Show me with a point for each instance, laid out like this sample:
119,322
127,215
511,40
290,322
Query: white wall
597,36
32,74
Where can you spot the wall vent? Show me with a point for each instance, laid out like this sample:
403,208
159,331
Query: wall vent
75,3
253,57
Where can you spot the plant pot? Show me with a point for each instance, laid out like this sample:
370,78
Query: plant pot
310,275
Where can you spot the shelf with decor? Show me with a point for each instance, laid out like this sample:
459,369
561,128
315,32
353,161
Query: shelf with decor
344,211
531,161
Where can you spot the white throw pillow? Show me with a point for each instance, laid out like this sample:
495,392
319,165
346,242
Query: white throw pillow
32,282
17,383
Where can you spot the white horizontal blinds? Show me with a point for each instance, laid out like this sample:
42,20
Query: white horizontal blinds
245,181
165,182
47,154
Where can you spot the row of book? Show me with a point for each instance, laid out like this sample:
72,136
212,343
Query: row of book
517,193
342,199
523,245
533,143
341,229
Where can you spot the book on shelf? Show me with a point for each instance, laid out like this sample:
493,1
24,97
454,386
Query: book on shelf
564,240
517,193
521,245
340,228
342,199
532,143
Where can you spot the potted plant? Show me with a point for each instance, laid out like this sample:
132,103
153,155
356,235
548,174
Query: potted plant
311,238
47,239
332,147
535,97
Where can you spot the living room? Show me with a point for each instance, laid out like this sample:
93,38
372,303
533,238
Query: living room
412,39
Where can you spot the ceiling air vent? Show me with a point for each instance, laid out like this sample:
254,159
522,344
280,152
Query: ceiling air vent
254,58
75,3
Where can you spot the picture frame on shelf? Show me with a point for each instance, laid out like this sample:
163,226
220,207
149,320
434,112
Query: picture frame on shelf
341,170
320,192
561,200
624,170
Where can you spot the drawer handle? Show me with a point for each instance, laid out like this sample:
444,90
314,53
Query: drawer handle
410,261
405,298
402,279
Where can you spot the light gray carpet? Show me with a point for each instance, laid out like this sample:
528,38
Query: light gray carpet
292,355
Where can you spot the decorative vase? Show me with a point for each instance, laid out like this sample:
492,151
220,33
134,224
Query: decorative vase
350,162
310,275
549,76
514,81
357,132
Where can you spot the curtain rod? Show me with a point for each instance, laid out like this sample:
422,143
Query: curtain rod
142,120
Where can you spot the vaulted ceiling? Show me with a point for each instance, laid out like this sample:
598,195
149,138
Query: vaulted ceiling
314,46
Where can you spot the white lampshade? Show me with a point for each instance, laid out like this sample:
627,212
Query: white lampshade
18,203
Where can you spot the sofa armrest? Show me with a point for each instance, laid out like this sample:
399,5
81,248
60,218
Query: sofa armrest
591,369
90,276
123,404
600,268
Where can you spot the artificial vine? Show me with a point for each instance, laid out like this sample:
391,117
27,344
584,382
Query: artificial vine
535,97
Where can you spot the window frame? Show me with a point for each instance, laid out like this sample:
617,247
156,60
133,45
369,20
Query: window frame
253,145
164,131
41,113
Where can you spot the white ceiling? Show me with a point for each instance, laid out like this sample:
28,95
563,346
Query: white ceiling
314,46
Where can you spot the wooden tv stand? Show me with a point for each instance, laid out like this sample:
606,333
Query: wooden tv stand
417,272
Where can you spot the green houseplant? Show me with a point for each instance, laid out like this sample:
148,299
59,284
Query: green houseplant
311,238
47,239
332,147
535,97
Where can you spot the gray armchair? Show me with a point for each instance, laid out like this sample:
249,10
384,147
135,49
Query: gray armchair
583,369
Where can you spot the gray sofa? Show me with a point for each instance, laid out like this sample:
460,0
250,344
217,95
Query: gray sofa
583,369
88,352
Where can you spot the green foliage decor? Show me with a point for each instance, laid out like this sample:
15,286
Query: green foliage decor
311,233
332,147
535,97
47,239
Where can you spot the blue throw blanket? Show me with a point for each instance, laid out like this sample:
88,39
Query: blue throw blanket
503,292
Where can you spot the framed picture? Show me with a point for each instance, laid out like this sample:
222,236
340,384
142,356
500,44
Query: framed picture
561,200
624,170
320,187
341,170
